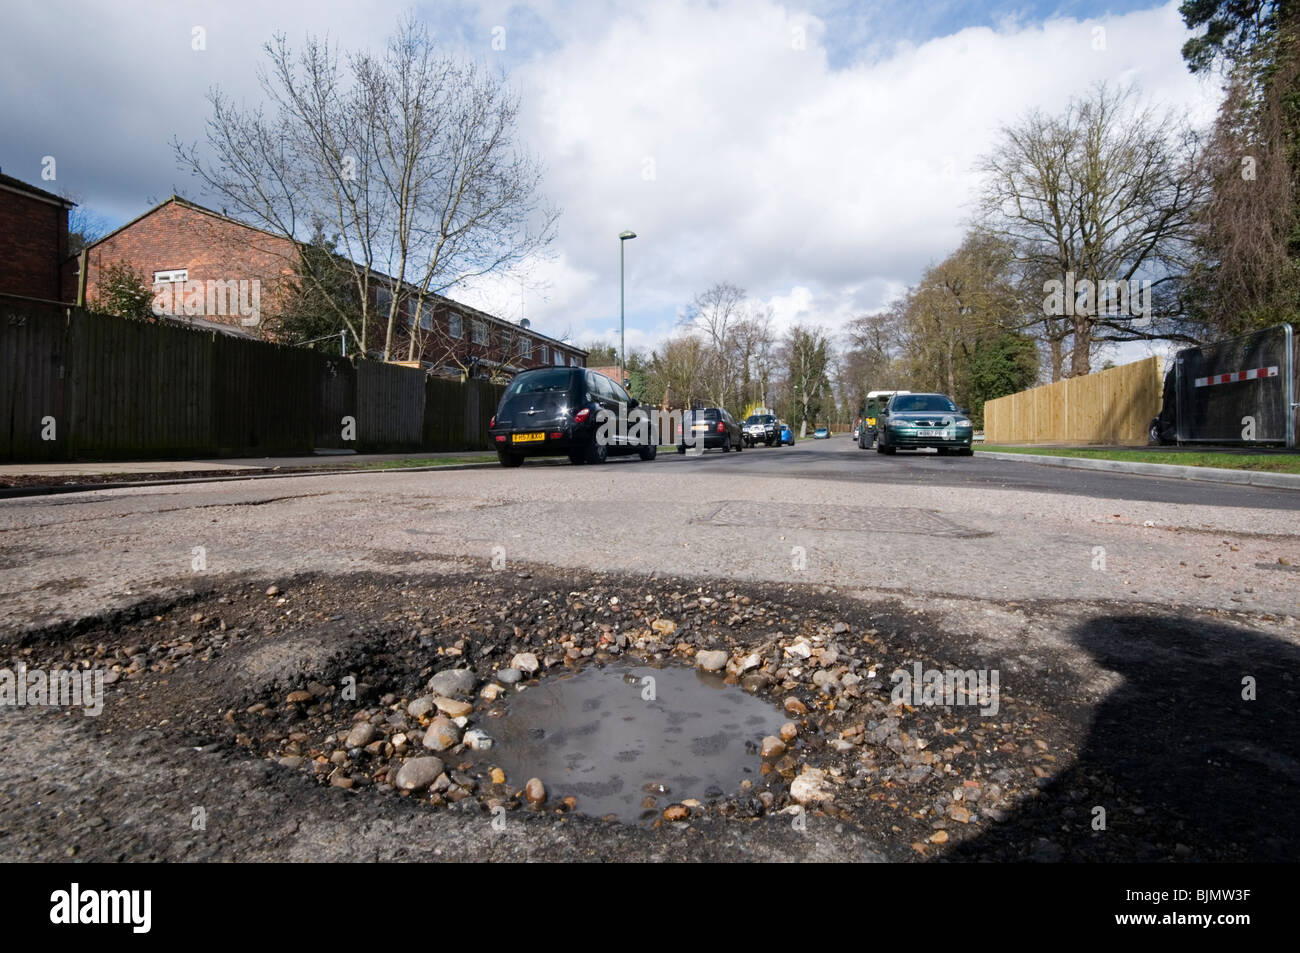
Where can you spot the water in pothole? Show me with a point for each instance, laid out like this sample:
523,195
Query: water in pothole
610,737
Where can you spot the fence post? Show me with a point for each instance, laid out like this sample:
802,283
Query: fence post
1291,405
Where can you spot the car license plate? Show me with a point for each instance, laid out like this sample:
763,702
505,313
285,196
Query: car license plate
938,434
698,427
527,437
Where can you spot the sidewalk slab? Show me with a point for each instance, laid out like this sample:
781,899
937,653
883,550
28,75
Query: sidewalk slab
1281,481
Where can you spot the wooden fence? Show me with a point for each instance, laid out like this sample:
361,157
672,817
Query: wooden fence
78,385
1113,406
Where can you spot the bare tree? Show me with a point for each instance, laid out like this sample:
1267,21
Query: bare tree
1106,193
715,314
410,156
678,372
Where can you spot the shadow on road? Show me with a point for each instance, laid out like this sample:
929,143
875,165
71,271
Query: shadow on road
1175,755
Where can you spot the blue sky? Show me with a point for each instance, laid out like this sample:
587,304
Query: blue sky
819,154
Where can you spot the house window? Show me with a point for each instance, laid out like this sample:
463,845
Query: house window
559,359
426,316
456,326
383,299
480,332
545,357
168,277
573,360
524,347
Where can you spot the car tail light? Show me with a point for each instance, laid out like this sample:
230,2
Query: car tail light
555,435
581,416
722,428
501,438
493,422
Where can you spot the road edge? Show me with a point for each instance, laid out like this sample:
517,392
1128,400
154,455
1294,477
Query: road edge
1276,481
52,489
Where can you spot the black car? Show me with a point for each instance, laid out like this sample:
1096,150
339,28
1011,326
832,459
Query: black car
710,428
913,421
762,428
568,411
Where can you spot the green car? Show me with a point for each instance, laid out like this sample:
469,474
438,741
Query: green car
913,421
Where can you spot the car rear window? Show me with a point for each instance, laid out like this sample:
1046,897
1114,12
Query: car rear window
540,381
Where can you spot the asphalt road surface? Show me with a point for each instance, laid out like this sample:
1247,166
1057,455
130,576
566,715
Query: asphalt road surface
821,512
1099,585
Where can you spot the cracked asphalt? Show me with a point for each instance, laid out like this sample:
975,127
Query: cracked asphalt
1052,571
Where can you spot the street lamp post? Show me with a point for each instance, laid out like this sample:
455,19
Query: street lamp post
622,327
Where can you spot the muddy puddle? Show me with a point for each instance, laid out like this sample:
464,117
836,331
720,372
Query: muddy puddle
617,735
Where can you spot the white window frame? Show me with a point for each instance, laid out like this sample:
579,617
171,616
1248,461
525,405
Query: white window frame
478,332
171,276
524,347
545,356
456,325
383,299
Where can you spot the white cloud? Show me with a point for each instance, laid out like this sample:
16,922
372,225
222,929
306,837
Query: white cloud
734,153
738,157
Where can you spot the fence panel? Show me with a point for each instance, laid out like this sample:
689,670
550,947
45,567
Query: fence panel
444,415
336,398
390,406
1113,406
119,389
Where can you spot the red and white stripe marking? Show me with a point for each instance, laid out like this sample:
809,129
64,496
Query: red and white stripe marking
1251,375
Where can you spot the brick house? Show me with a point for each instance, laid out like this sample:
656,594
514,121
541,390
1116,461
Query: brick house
177,242
33,241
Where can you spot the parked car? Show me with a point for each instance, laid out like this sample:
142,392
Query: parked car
855,433
871,411
762,428
821,433
787,435
913,421
710,428
556,411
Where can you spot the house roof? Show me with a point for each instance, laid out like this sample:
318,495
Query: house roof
11,184
442,299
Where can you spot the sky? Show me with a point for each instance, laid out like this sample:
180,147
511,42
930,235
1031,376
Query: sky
819,155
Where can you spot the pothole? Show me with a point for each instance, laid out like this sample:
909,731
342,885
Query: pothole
630,740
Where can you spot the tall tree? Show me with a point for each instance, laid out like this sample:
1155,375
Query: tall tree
410,156
1106,193
1250,242
806,354
715,315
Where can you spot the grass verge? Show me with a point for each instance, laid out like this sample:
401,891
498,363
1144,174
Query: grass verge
1264,462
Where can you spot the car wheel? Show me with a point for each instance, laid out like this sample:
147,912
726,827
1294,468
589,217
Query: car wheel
577,458
726,446
967,451
1153,434
681,448
740,446
597,452
943,451
649,453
